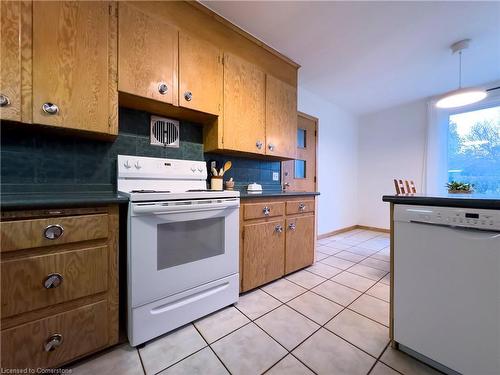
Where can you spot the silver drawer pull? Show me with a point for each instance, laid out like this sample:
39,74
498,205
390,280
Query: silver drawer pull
50,108
302,206
162,88
188,95
271,147
258,144
292,226
52,281
4,100
53,232
266,211
278,228
53,342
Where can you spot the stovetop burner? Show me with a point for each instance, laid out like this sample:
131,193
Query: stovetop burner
150,191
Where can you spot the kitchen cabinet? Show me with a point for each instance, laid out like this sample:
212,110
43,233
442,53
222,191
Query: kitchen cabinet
277,238
74,65
59,285
147,60
244,120
281,118
200,75
263,252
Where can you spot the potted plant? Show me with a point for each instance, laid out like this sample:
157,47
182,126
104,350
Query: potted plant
456,187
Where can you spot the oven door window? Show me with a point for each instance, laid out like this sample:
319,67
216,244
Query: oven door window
189,241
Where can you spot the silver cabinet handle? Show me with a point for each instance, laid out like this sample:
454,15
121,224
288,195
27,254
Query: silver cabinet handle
162,88
53,342
4,100
278,228
53,232
266,211
52,281
188,95
258,144
302,206
271,147
50,108
292,226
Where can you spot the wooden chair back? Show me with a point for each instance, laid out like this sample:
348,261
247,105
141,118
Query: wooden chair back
405,187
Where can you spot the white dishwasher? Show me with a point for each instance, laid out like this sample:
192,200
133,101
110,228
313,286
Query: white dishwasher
447,287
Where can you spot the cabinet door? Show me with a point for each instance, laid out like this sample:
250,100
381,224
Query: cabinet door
263,253
74,46
244,106
200,75
281,118
148,50
299,243
10,50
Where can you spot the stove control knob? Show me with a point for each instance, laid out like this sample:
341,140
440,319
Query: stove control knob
137,165
127,165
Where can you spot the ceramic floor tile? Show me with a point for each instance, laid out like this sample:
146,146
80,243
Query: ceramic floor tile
324,241
337,293
381,369
256,303
204,362
366,235
318,255
405,364
283,290
324,270
369,272
120,360
352,241
360,331
376,244
166,350
305,279
339,245
373,308
287,326
376,263
337,262
361,251
289,366
350,256
381,291
248,351
326,353
386,279
315,307
351,280
220,323
381,256
327,249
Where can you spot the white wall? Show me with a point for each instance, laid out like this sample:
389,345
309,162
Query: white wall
337,162
391,145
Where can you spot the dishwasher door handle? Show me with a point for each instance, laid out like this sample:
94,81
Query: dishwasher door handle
492,232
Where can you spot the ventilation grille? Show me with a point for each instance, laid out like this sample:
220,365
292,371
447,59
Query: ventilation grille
164,132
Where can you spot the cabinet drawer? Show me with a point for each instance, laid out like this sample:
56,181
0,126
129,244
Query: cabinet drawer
35,282
263,210
26,234
299,207
81,331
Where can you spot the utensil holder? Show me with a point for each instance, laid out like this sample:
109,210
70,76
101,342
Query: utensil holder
216,183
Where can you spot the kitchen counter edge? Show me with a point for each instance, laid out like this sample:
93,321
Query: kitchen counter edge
34,201
245,195
461,201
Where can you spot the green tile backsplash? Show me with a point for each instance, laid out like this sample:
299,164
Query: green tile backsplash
35,159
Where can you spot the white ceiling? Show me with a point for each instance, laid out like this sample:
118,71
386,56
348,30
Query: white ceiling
367,56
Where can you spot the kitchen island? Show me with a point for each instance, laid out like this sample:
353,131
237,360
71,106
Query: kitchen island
445,280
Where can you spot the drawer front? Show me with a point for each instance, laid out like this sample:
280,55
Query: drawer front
263,210
73,333
299,206
36,282
27,234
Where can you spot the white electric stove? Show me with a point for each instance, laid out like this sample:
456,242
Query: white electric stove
183,244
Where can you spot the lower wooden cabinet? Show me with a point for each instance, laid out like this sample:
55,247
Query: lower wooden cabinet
59,289
274,243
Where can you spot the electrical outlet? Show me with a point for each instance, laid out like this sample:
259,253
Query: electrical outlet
276,176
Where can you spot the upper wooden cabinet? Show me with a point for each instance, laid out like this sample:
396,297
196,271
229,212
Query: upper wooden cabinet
74,65
281,118
147,61
244,120
200,75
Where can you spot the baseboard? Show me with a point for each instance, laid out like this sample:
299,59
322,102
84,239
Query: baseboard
352,227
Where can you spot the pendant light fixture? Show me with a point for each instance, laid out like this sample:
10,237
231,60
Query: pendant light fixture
460,96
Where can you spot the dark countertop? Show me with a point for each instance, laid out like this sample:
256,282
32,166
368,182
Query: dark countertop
43,200
277,193
447,200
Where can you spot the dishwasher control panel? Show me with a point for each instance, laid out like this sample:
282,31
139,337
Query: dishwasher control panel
449,216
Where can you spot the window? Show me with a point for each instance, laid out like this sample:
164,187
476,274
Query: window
474,148
301,138
300,169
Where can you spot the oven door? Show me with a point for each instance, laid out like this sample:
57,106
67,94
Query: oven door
174,246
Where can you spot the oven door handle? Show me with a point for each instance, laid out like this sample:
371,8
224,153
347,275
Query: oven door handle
161,208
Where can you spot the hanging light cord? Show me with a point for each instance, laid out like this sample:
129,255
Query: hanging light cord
459,69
